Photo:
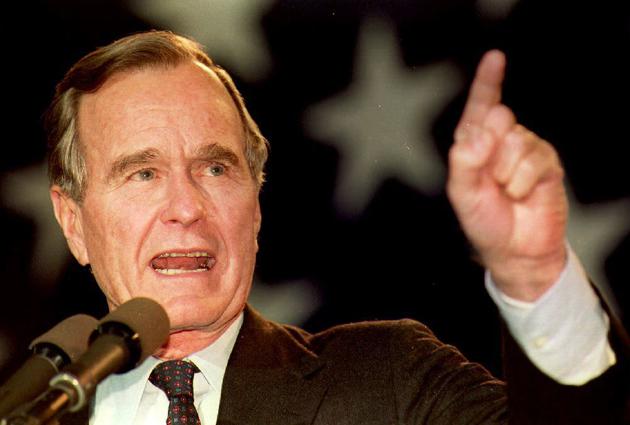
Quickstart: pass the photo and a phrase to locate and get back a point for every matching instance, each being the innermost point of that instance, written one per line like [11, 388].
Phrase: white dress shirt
[131, 399]
[564, 333]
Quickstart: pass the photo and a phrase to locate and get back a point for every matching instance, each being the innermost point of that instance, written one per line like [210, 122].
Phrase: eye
[143, 175]
[216, 169]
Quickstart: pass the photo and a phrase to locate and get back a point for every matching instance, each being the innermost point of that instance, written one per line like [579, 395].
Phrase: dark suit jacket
[396, 372]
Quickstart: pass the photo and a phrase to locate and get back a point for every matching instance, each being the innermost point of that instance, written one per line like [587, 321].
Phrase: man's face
[171, 210]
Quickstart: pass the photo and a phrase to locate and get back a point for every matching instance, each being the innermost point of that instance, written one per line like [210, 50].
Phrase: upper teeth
[181, 254]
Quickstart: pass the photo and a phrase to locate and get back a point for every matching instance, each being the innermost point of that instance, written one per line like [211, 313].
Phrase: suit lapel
[271, 377]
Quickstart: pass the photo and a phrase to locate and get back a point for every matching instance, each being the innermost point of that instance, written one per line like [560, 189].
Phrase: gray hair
[66, 163]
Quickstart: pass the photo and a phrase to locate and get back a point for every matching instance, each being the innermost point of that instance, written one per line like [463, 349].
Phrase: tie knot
[174, 377]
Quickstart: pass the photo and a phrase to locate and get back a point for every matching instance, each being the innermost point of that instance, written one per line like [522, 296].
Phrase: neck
[182, 343]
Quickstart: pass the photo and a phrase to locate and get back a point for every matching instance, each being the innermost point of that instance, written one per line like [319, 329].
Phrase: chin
[192, 316]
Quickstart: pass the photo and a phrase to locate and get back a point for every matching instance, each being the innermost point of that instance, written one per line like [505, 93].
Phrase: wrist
[527, 279]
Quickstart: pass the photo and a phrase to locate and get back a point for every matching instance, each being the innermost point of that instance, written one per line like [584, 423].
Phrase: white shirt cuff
[565, 332]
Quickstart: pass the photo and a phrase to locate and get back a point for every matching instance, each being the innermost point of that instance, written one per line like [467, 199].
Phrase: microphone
[51, 351]
[121, 341]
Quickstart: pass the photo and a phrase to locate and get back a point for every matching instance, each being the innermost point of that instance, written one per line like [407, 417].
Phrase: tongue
[180, 263]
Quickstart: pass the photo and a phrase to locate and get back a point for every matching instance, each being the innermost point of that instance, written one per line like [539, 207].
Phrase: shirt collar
[118, 397]
[213, 359]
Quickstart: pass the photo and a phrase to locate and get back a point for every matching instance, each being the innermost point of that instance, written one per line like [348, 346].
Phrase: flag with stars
[359, 101]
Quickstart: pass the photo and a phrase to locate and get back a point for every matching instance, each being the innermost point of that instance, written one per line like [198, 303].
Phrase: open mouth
[172, 263]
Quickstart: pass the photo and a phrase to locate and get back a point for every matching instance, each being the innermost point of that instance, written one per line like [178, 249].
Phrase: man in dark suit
[156, 166]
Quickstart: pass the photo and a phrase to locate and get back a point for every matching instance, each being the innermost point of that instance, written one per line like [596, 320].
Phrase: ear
[67, 213]
[257, 222]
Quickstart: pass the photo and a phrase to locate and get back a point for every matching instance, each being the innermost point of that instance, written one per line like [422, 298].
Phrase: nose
[184, 201]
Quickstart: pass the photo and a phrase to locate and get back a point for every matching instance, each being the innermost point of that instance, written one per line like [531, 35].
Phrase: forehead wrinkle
[126, 161]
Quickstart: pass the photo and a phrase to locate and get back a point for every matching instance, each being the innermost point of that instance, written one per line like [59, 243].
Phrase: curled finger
[536, 167]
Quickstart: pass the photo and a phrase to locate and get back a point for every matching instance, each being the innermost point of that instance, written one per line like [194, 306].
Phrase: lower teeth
[178, 271]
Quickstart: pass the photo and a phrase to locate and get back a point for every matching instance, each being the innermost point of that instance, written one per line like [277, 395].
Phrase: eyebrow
[214, 152]
[125, 162]
[210, 152]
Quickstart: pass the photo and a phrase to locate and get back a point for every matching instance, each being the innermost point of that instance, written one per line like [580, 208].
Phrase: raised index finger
[485, 91]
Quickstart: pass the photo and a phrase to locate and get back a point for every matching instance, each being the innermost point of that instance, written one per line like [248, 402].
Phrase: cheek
[233, 206]
[112, 245]
[243, 224]
[109, 233]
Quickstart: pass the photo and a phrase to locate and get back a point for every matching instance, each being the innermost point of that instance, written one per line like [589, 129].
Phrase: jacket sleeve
[534, 398]
[435, 384]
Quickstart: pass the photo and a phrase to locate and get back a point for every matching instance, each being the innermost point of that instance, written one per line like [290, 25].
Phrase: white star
[26, 191]
[290, 302]
[496, 9]
[231, 30]
[382, 123]
[594, 231]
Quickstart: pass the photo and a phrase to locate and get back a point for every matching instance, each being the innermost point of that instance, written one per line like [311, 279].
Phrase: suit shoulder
[374, 329]
[378, 337]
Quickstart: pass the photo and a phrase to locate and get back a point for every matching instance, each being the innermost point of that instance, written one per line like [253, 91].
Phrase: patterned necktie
[175, 378]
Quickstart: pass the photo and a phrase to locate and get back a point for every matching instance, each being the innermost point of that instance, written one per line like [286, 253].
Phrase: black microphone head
[146, 319]
[70, 336]
[55, 349]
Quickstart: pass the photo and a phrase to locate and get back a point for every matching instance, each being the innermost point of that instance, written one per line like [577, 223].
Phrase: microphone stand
[71, 389]
[115, 346]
